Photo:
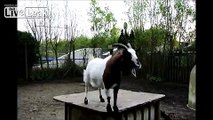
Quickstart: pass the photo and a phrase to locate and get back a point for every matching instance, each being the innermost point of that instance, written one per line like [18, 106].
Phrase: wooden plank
[126, 100]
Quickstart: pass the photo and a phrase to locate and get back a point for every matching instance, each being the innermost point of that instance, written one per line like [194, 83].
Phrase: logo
[12, 11]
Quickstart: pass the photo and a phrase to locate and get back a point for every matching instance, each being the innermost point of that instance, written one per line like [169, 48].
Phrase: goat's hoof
[85, 101]
[102, 100]
[109, 109]
[115, 108]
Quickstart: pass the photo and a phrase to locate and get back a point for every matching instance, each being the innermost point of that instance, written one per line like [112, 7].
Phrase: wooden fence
[172, 67]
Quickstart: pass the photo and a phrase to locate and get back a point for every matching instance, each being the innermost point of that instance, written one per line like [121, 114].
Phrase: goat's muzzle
[137, 66]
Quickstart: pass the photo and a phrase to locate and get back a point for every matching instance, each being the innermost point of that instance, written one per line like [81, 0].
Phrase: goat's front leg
[115, 93]
[109, 109]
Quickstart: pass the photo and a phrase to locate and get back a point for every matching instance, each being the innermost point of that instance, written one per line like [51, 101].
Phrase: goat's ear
[120, 52]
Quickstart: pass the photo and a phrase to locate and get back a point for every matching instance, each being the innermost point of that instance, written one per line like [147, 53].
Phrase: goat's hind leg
[100, 96]
[86, 92]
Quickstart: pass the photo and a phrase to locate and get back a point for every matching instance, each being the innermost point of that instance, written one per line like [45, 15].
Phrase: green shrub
[153, 78]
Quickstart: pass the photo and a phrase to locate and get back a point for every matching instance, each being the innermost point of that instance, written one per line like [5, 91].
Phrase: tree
[103, 25]
[42, 31]
[70, 24]
[108, 20]
[114, 35]
[55, 43]
[48, 19]
[124, 37]
[102, 20]
[34, 27]
[27, 53]
[95, 17]
[137, 13]
[54, 33]
[125, 31]
[175, 17]
[172, 15]
[143, 39]
[82, 42]
[184, 15]
[132, 38]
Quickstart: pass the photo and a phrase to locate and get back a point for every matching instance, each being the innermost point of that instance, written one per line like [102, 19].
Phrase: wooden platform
[131, 105]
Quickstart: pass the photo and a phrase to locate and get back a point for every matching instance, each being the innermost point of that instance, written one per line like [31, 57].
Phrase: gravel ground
[35, 100]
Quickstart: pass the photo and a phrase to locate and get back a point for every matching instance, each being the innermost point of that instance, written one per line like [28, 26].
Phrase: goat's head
[130, 59]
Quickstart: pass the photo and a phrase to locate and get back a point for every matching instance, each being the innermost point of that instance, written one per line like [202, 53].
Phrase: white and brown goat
[106, 73]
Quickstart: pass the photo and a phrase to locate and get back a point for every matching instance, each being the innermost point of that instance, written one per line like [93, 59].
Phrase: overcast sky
[80, 8]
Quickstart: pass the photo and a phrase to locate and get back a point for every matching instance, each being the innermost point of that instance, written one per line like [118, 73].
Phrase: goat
[106, 73]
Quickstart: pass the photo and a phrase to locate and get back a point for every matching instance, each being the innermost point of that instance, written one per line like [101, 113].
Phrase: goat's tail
[85, 76]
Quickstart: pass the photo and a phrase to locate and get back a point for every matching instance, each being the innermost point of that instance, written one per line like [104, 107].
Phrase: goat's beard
[134, 72]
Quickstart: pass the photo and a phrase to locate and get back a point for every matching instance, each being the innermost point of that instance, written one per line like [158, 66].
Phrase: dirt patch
[35, 100]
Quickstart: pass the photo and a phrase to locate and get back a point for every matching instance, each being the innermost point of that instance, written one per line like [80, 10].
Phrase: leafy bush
[153, 78]
[27, 49]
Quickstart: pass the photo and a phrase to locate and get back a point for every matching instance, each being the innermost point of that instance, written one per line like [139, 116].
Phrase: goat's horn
[120, 44]
[129, 45]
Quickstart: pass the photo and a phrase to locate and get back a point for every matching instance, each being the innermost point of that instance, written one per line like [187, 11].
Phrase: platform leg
[157, 110]
[67, 112]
